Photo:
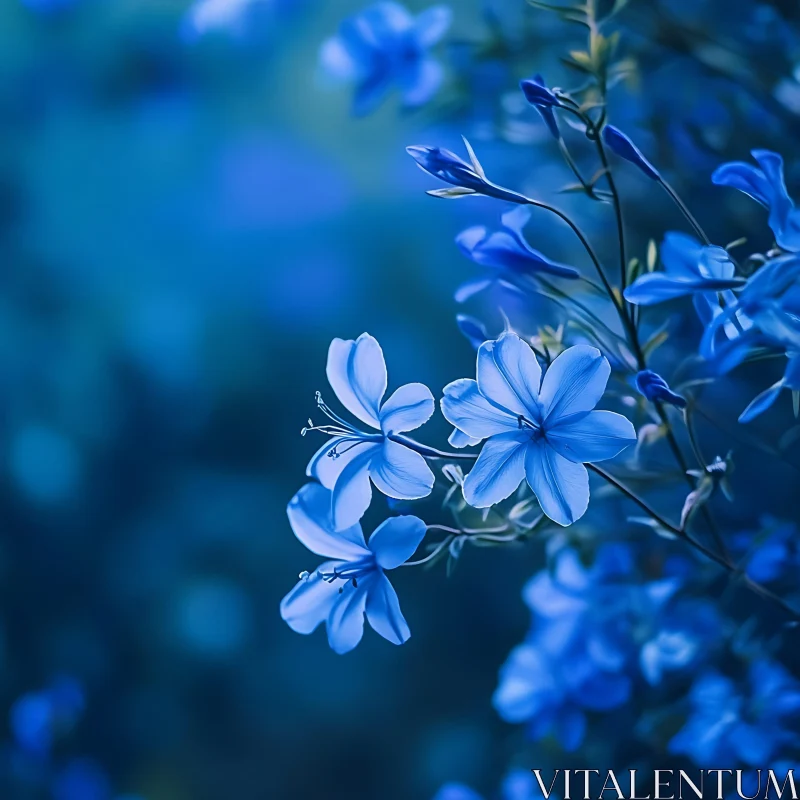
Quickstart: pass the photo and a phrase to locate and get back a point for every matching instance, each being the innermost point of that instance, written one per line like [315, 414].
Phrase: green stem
[685, 211]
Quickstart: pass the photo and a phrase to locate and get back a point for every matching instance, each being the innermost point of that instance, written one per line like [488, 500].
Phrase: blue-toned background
[186, 221]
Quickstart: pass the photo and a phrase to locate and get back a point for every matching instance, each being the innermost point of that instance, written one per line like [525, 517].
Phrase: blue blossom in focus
[543, 100]
[689, 268]
[347, 462]
[753, 723]
[621, 144]
[466, 179]
[652, 386]
[595, 631]
[385, 46]
[765, 184]
[342, 591]
[540, 429]
[507, 254]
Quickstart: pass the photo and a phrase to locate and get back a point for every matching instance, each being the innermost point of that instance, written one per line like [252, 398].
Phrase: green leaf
[736, 243]
[581, 60]
[634, 269]
[697, 499]
[796, 403]
[476, 165]
[654, 342]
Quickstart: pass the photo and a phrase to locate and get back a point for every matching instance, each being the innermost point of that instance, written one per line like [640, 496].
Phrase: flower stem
[427, 451]
[722, 561]
[685, 211]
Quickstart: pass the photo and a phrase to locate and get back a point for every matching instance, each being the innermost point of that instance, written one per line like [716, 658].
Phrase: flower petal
[465, 407]
[420, 81]
[574, 382]
[357, 374]
[509, 375]
[311, 600]
[352, 492]
[310, 516]
[460, 439]
[384, 614]
[560, 486]
[326, 468]
[409, 407]
[761, 402]
[400, 472]
[346, 619]
[657, 287]
[432, 24]
[595, 436]
[396, 540]
[499, 469]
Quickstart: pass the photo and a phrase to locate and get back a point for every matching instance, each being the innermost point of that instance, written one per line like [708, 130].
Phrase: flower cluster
[556, 395]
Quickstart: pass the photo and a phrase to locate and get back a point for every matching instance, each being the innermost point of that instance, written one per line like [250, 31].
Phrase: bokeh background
[186, 221]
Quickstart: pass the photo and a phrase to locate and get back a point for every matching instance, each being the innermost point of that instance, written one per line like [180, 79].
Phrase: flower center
[349, 573]
[537, 431]
[341, 430]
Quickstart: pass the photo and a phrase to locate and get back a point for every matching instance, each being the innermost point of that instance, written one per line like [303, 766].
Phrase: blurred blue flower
[340, 592]
[595, 630]
[517, 785]
[81, 779]
[621, 144]
[232, 16]
[466, 179]
[545, 433]
[346, 463]
[772, 553]
[473, 329]
[544, 100]
[752, 723]
[689, 268]
[656, 389]
[507, 253]
[765, 184]
[36, 718]
[385, 45]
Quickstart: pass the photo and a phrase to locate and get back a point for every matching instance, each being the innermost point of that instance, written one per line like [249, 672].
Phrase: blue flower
[466, 179]
[384, 45]
[506, 252]
[656, 389]
[473, 329]
[767, 398]
[595, 630]
[37, 717]
[205, 16]
[544, 100]
[689, 268]
[751, 723]
[620, 144]
[543, 432]
[81, 779]
[773, 553]
[765, 184]
[346, 463]
[342, 591]
[517, 785]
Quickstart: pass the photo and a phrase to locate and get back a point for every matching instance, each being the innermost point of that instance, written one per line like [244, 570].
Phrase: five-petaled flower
[507, 253]
[385, 45]
[465, 179]
[353, 584]
[544, 430]
[346, 463]
[690, 268]
[765, 184]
